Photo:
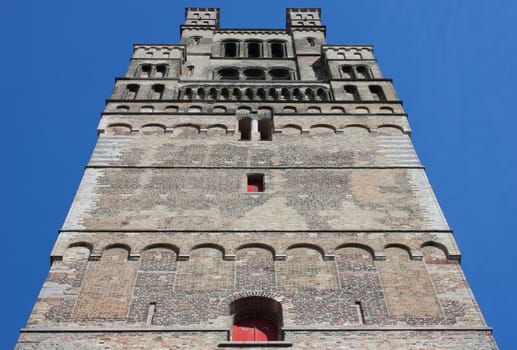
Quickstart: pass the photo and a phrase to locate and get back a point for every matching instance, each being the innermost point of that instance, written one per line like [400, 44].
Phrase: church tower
[254, 188]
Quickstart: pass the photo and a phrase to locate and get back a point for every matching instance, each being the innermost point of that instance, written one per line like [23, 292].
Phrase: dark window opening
[228, 74]
[230, 49]
[157, 92]
[311, 41]
[253, 49]
[277, 49]
[255, 183]
[347, 72]
[280, 74]
[264, 126]
[131, 92]
[351, 93]
[362, 72]
[245, 129]
[161, 71]
[377, 93]
[254, 74]
[146, 71]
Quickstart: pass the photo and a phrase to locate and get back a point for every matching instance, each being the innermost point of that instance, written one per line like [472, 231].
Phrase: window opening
[351, 93]
[161, 71]
[255, 183]
[254, 74]
[157, 92]
[253, 49]
[245, 129]
[264, 126]
[347, 72]
[362, 72]
[146, 71]
[277, 49]
[230, 49]
[280, 74]
[228, 74]
[131, 92]
[311, 41]
[377, 93]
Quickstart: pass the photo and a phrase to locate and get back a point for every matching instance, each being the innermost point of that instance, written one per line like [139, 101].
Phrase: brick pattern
[107, 287]
[305, 269]
[154, 282]
[205, 271]
[408, 289]
[360, 282]
[255, 269]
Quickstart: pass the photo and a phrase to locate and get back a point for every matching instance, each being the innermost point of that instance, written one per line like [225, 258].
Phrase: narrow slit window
[255, 183]
[131, 91]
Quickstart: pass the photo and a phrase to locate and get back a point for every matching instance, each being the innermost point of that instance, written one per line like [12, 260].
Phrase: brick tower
[255, 188]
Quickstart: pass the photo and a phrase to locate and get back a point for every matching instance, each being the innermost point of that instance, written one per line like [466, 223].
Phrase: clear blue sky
[453, 63]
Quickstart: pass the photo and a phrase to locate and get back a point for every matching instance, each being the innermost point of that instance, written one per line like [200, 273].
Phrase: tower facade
[255, 188]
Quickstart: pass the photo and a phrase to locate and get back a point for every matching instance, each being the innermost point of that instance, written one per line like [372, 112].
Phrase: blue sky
[452, 61]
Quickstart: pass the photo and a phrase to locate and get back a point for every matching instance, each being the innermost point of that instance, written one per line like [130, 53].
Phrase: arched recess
[255, 268]
[319, 129]
[118, 129]
[289, 109]
[256, 318]
[360, 281]
[387, 110]
[404, 281]
[361, 110]
[356, 130]
[434, 252]
[154, 285]
[185, 130]
[305, 269]
[217, 130]
[389, 130]
[291, 129]
[205, 270]
[150, 129]
[107, 282]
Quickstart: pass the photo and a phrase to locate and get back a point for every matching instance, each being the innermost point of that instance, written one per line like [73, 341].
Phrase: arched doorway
[256, 318]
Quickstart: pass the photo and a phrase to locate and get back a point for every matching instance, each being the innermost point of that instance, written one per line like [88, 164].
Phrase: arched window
[256, 319]
[351, 93]
[280, 74]
[131, 91]
[230, 49]
[254, 48]
[161, 71]
[228, 74]
[377, 93]
[146, 71]
[157, 91]
[362, 72]
[311, 41]
[277, 49]
[347, 72]
[254, 74]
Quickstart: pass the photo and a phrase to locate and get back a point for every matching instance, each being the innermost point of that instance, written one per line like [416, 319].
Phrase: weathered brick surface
[349, 340]
[164, 248]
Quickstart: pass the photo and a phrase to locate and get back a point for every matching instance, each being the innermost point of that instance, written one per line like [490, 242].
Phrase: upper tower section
[202, 16]
[303, 17]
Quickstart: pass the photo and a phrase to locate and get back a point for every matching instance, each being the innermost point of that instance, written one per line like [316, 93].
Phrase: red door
[254, 329]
